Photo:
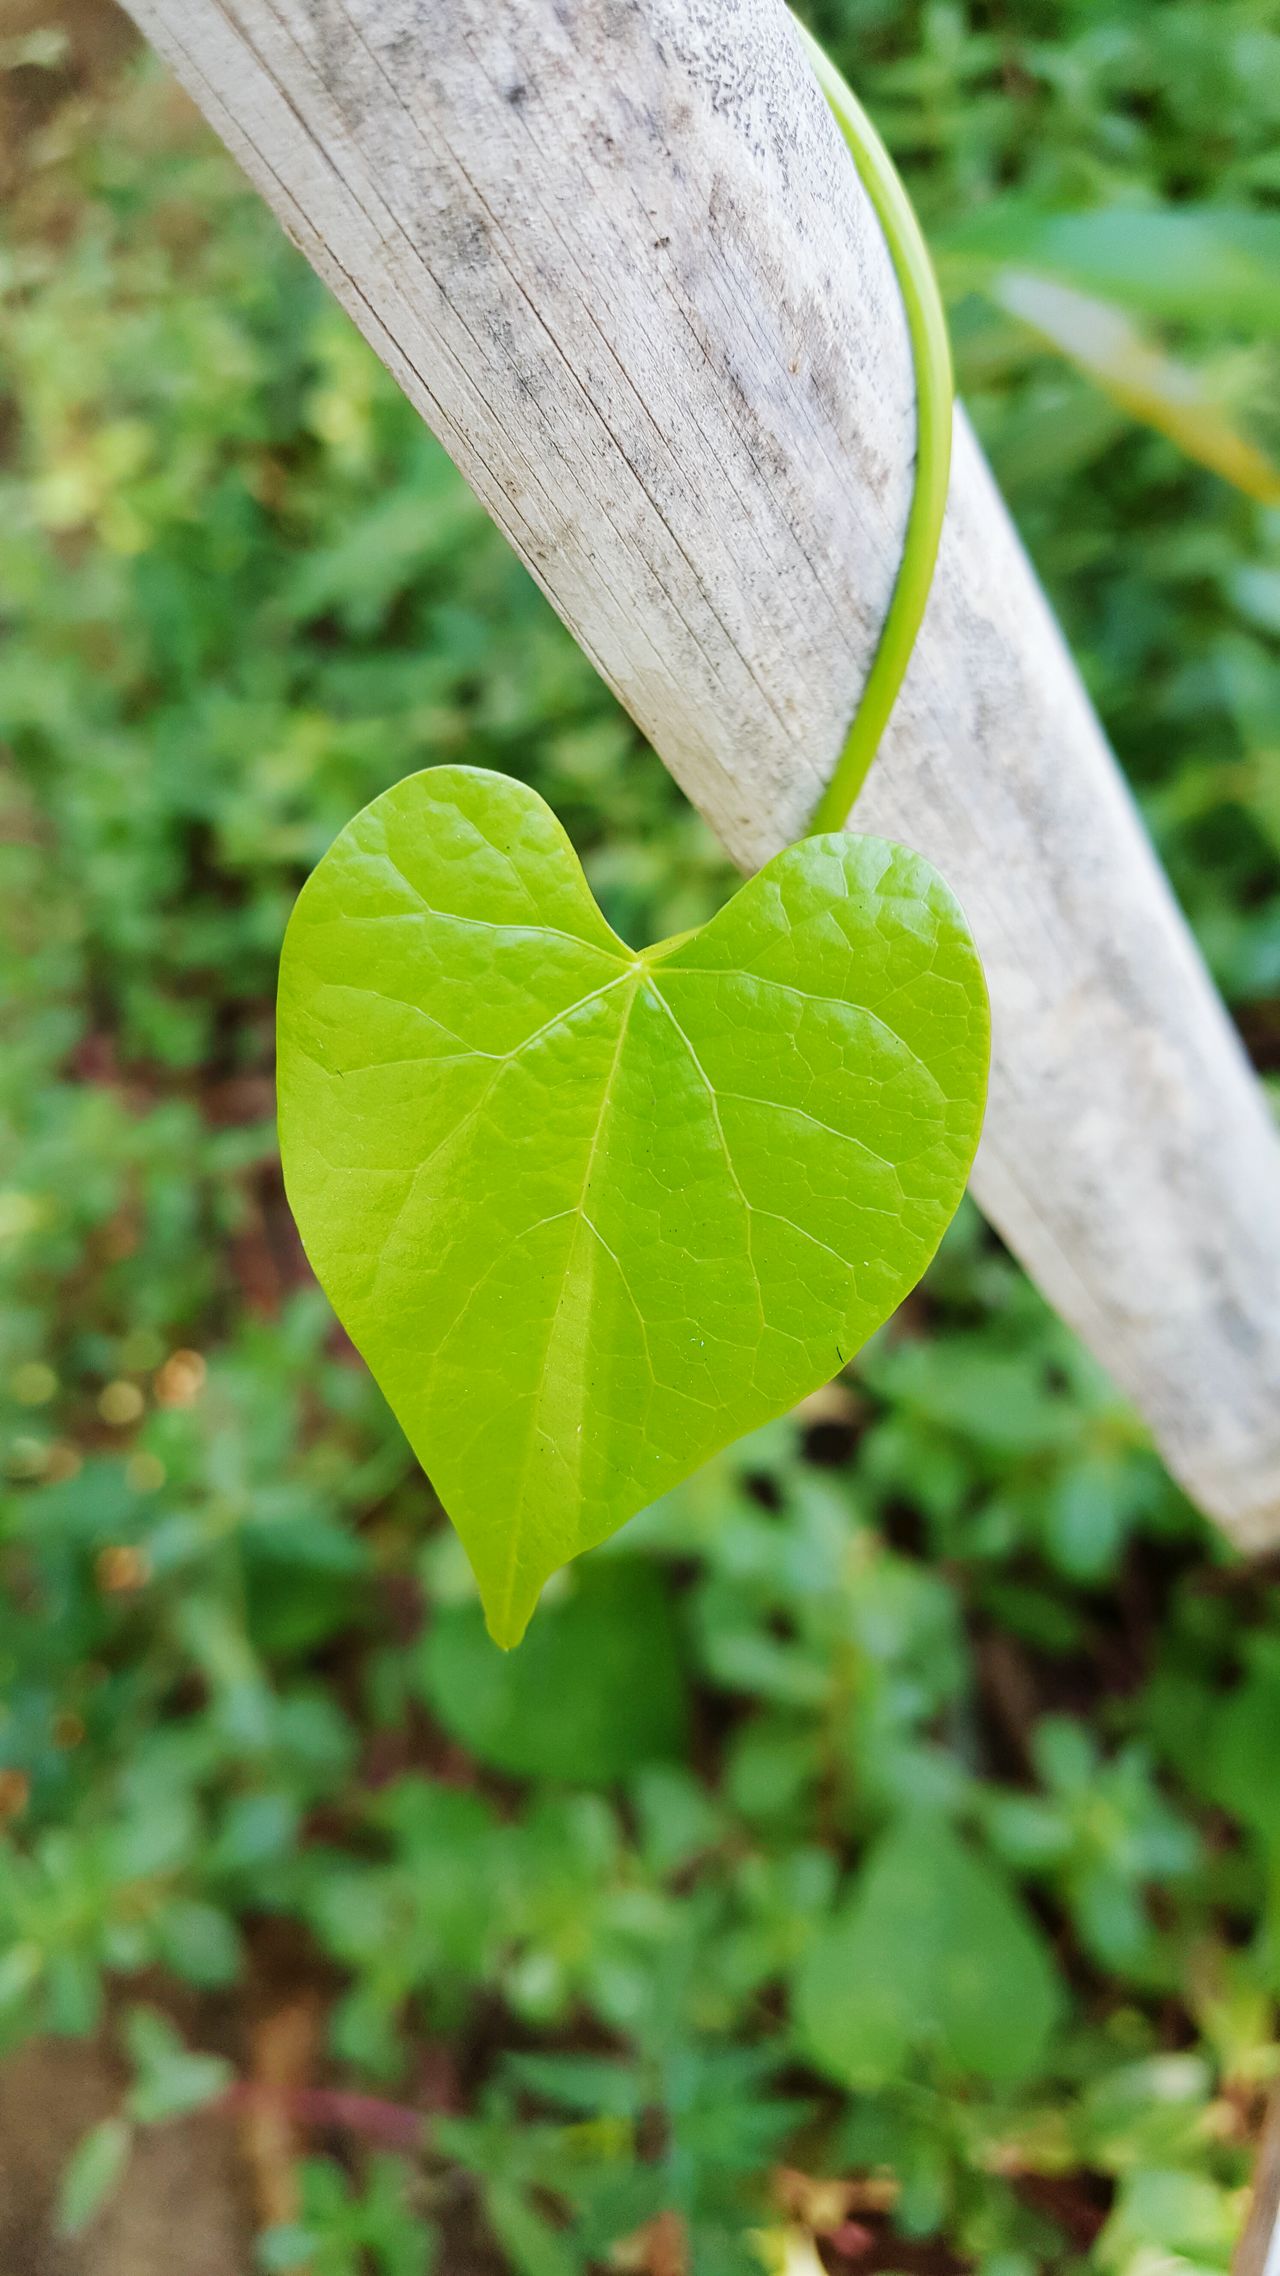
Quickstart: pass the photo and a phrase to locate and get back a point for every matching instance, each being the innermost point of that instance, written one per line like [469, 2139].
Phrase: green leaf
[170, 2082]
[1170, 2220]
[1242, 1762]
[1151, 386]
[199, 1943]
[286, 2247]
[596, 1692]
[931, 1955]
[1206, 264]
[91, 2173]
[590, 1213]
[531, 2244]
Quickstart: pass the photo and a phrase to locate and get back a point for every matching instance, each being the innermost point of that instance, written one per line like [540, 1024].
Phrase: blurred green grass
[644, 1948]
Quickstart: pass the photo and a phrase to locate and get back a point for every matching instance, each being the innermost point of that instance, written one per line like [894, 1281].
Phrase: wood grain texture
[615, 253]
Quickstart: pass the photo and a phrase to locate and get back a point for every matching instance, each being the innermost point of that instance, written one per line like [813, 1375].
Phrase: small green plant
[169, 2081]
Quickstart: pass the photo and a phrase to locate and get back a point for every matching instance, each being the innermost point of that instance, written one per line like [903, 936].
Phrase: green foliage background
[895, 1808]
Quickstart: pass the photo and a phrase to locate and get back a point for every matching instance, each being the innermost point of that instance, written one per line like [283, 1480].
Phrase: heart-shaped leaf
[589, 1213]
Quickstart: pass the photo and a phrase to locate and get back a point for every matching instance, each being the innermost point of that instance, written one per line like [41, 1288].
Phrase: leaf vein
[807, 996]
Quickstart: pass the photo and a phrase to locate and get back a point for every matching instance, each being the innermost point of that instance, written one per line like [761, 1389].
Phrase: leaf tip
[506, 1615]
[505, 1634]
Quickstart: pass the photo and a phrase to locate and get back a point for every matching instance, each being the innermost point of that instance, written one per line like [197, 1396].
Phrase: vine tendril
[931, 359]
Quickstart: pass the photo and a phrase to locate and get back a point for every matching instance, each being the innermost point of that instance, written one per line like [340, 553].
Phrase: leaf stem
[931, 357]
[392, 2124]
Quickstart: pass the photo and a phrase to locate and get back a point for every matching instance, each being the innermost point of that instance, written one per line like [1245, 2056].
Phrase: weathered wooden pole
[618, 257]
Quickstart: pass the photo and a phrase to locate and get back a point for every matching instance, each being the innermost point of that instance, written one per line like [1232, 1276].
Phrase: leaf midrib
[578, 1210]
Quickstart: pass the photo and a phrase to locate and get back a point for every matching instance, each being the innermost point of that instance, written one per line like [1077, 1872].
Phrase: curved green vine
[931, 358]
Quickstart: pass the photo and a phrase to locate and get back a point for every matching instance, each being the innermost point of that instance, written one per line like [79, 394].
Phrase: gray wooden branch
[616, 254]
